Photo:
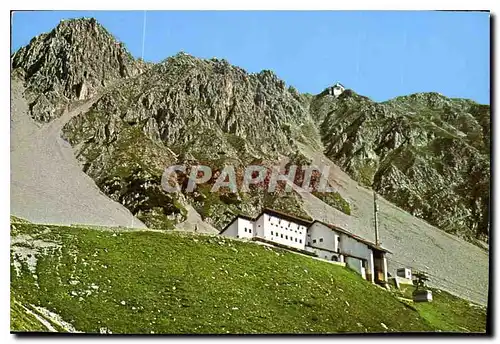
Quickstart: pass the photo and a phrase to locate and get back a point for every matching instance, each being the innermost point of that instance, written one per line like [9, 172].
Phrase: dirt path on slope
[194, 222]
[47, 183]
[454, 265]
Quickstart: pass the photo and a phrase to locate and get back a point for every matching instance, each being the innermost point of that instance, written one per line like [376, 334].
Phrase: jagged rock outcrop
[70, 63]
[189, 110]
[426, 153]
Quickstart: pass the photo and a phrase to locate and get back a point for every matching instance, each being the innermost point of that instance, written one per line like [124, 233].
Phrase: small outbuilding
[422, 296]
[404, 272]
[338, 89]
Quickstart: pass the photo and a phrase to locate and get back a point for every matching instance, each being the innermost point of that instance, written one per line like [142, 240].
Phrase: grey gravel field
[47, 183]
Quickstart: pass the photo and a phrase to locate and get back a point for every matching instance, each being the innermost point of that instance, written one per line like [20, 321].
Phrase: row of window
[286, 228]
[279, 221]
[286, 237]
[249, 230]
[321, 239]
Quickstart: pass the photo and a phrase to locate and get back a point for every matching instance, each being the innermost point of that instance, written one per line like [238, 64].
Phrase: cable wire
[143, 34]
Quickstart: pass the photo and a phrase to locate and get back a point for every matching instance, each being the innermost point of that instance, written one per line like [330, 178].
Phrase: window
[245, 230]
[314, 241]
[271, 232]
[249, 230]
[295, 239]
[320, 239]
[282, 235]
[286, 237]
[300, 241]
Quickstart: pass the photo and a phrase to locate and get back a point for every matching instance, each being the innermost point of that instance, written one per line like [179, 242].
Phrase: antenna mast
[375, 213]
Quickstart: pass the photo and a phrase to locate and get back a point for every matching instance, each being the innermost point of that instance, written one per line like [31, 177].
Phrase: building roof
[272, 212]
[300, 220]
[354, 236]
[305, 222]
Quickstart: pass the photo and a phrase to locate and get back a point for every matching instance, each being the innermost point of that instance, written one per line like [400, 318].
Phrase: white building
[325, 241]
[241, 227]
[270, 225]
[404, 272]
[334, 243]
[338, 89]
[403, 276]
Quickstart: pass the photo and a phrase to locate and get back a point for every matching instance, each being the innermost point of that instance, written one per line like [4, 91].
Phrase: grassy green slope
[144, 282]
[21, 321]
[447, 312]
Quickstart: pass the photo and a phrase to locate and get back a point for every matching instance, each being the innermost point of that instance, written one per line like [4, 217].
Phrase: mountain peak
[75, 22]
[71, 62]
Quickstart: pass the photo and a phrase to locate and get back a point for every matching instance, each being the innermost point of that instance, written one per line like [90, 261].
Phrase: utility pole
[375, 214]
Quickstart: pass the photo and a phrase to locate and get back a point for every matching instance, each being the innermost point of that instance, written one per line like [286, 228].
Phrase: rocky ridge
[70, 63]
[426, 153]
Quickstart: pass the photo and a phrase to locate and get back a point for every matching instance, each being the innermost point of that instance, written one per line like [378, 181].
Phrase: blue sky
[380, 54]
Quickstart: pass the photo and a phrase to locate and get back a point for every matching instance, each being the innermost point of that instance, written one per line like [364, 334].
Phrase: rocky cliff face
[425, 152]
[69, 63]
[190, 111]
